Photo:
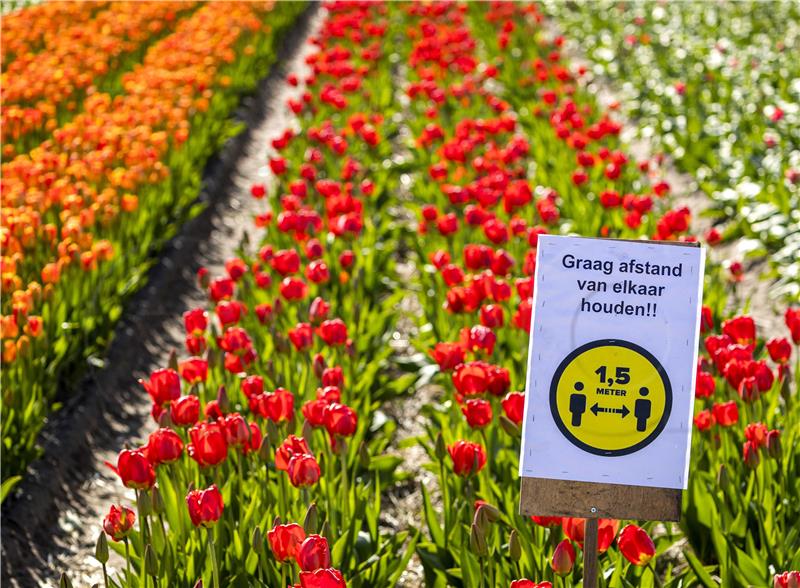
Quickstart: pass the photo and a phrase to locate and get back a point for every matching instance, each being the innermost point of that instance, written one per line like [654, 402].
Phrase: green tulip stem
[212, 548]
[446, 500]
[345, 490]
[656, 579]
[105, 576]
[127, 561]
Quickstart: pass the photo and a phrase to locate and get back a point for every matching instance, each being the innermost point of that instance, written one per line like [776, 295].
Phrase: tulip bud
[491, 512]
[514, 547]
[257, 540]
[364, 458]
[64, 581]
[173, 360]
[308, 429]
[199, 583]
[310, 522]
[144, 503]
[441, 448]
[509, 426]
[158, 502]
[222, 399]
[263, 450]
[774, 444]
[150, 561]
[272, 433]
[786, 391]
[326, 531]
[23, 346]
[101, 548]
[563, 558]
[723, 478]
[477, 541]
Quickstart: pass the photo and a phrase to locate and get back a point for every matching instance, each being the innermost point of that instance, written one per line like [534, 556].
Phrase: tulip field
[344, 405]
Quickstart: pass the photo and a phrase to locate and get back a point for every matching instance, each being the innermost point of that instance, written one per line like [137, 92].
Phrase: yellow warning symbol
[610, 397]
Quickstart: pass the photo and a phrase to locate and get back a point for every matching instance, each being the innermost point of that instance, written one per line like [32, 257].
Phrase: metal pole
[590, 554]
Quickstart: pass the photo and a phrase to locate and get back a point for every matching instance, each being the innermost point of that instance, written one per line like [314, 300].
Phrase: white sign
[612, 361]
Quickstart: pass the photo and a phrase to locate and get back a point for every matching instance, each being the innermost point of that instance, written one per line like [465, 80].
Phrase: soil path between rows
[51, 523]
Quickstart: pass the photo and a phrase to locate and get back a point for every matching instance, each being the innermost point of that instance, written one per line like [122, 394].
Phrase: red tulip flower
[468, 458]
[530, 584]
[780, 350]
[563, 558]
[237, 431]
[118, 522]
[547, 521]
[292, 446]
[333, 332]
[447, 355]
[252, 386]
[704, 420]
[302, 337]
[514, 406]
[575, 528]
[303, 470]
[787, 580]
[322, 578]
[164, 385]
[478, 412]
[205, 506]
[208, 446]
[185, 410]
[163, 446]
[285, 540]
[340, 420]
[742, 329]
[194, 370]
[314, 554]
[635, 544]
[792, 319]
[195, 321]
[726, 414]
[134, 469]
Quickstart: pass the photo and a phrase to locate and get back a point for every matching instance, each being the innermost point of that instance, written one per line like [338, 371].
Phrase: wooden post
[590, 554]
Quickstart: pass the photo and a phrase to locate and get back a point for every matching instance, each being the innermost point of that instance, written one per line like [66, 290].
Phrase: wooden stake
[590, 554]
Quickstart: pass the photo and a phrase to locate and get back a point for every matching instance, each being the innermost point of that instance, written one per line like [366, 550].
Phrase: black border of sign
[611, 452]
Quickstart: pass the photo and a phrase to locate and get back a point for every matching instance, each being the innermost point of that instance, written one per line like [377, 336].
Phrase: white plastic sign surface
[612, 361]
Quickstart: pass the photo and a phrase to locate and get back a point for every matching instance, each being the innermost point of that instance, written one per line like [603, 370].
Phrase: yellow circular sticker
[610, 397]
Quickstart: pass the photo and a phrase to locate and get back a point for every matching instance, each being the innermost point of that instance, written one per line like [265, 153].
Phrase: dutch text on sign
[612, 361]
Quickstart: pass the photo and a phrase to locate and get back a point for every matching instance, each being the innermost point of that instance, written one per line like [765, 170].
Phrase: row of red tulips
[269, 435]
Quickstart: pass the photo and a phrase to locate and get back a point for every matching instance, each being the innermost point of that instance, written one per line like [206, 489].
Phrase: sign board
[611, 373]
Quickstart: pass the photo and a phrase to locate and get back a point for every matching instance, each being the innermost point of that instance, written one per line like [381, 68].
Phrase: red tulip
[285, 540]
[118, 522]
[163, 446]
[547, 521]
[750, 455]
[286, 262]
[563, 558]
[195, 321]
[185, 410]
[252, 386]
[792, 319]
[134, 469]
[704, 420]
[277, 406]
[574, 528]
[333, 332]
[756, 433]
[726, 414]
[780, 350]
[237, 431]
[705, 385]
[635, 544]
[787, 580]
[742, 329]
[447, 355]
[293, 445]
[293, 288]
[303, 470]
[208, 446]
[471, 378]
[530, 584]
[322, 578]
[194, 370]
[164, 385]
[514, 406]
[467, 457]
[302, 337]
[478, 412]
[340, 420]
[205, 506]
[314, 554]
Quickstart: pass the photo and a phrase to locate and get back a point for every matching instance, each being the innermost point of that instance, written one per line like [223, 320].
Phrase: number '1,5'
[621, 375]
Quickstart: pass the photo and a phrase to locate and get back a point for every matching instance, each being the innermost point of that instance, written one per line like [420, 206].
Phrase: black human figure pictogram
[641, 410]
[577, 404]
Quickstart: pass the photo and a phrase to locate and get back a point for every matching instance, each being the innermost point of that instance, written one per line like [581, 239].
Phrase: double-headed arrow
[596, 408]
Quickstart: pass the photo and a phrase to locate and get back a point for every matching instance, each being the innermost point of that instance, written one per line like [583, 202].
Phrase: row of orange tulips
[43, 90]
[83, 212]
